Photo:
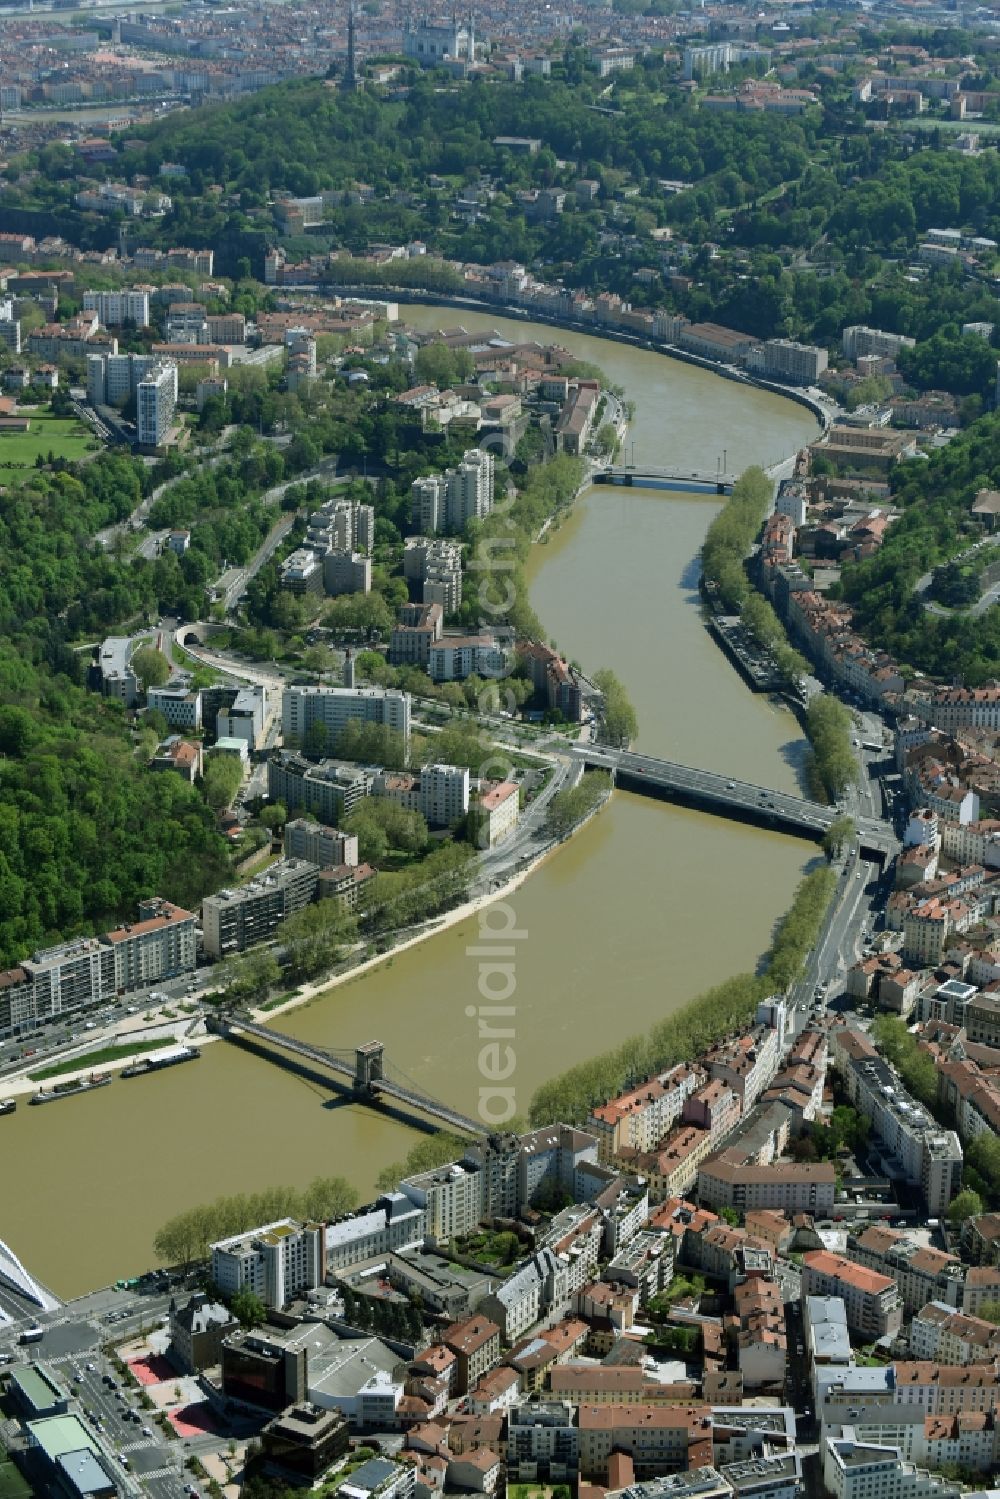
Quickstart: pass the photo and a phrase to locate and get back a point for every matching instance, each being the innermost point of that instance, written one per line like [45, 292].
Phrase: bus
[32, 1335]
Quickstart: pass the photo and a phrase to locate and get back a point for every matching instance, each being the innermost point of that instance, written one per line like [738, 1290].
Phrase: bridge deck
[730, 797]
[385, 1087]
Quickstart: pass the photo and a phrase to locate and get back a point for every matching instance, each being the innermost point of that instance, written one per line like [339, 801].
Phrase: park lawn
[64, 437]
[95, 1059]
[12, 1484]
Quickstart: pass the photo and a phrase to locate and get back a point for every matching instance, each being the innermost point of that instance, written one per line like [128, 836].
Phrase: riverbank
[576, 325]
[131, 1041]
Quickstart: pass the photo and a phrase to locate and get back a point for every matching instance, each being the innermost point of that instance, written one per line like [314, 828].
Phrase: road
[146, 1460]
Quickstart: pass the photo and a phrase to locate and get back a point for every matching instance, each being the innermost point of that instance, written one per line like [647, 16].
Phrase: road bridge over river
[664, 478]
[727, 797]
[366, 1073]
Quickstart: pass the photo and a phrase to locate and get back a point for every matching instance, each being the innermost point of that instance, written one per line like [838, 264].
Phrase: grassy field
[12, 1484]
[63, 436]
[94, 1059]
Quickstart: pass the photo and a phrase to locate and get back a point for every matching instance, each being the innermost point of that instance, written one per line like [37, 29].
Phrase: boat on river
[170, 1056]
[70, 1090]
[8, 1105]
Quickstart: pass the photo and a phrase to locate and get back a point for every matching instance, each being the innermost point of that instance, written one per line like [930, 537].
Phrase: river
[648, 905]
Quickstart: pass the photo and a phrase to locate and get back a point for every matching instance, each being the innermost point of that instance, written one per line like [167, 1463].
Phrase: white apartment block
[451, 1198]
[180, 706]
[450, 500]
[114, 308]
[244, 718]
[392, 1224]
[342, 526]
[112, 378]
[856, 1470]
[89, 970]
[335, 707]
[428, 503]
[929, 1156]
[444, 794]
[233, 920]
[156, 400]
[276, 1261]
[783, 359]
[455, 657]
[718, 57]
[857, 341]
[322, 846]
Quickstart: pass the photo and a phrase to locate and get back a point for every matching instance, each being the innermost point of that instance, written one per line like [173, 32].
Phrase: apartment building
[320, 845]
[115, 308]
[727, 1180]
[476, 1346]
[160, 945]
[303, 709]
[179, 704]
[982, 1285]
[346, 572]
[451, 1198]
[950, 709]
[243, 718]
[276, 1262]
[922, 1274]
[342, 526]
[113, 378]
[236, 919]
[328, 789]
[417, 628]
[455, 657]
[539, 1285]
[717, 343]
[858, 341]
[443, 795]
[90, 970]
[857, 1470]
[498, 804]
[658, 1438]
[873, 1303]
[783, 359]
[929, 1156]
[941, 1333]
[641, 1117]
[391, 1224]
[156, 399]
[542, 1443]
[436, 566]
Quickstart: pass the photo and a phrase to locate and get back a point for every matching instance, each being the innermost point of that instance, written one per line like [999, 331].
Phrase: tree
[837, 836]
[315, 937]
[274, 816]
[619, 725]
[223, 778]
[730, 1216]
[248, 977]
[248, 1307]
[966, 1205]
[150, 666]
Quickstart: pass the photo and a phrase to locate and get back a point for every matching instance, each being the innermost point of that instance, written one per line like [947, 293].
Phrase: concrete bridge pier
[368, 1065]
